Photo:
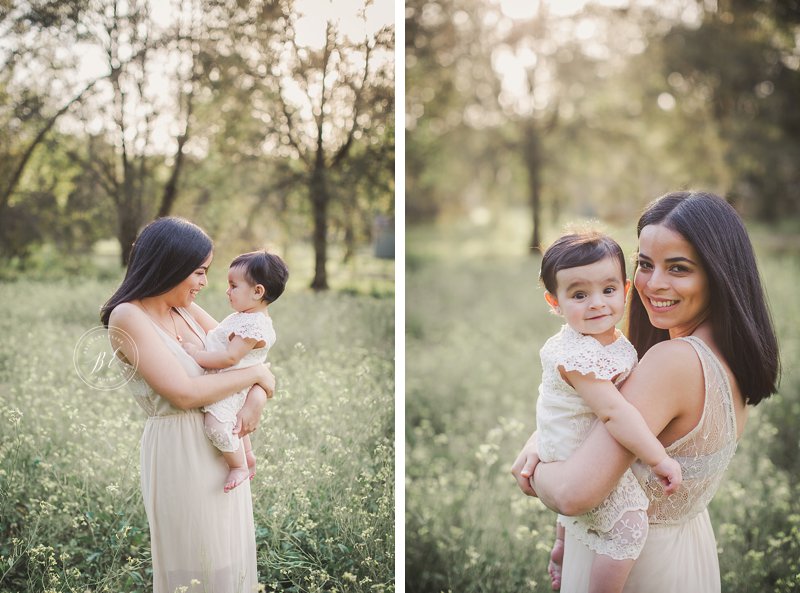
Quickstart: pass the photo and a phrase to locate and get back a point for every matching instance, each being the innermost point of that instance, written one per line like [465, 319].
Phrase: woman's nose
[657, 280]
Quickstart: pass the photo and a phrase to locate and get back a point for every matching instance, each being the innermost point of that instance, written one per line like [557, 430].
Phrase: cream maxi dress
[201, 537]
[680, 554]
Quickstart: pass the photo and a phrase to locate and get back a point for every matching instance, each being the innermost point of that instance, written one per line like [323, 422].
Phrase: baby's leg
[556, 558]
[609, 575]
[249, 455]
[239, 470]
[222, 437]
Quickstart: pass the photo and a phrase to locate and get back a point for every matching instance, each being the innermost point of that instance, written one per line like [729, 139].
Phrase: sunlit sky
[513, 63]
[526, 9]
[310, 32]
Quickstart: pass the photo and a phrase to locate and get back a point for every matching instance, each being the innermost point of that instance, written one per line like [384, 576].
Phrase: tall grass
[475, 320]
[71, 515]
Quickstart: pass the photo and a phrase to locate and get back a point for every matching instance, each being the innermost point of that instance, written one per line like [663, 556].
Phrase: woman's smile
[661, 304]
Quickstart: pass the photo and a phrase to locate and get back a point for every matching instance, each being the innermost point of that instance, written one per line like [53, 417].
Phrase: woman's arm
[626, 425]
[167, 377]
[665, 387]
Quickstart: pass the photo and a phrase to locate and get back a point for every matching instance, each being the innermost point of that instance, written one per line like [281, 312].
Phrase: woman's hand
[525, 465]
[248, 417]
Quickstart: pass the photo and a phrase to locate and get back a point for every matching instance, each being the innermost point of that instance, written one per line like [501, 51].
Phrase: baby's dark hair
[266, 269]
[575, 250]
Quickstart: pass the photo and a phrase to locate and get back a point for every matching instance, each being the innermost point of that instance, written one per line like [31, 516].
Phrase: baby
[585, 282]
[242, 339]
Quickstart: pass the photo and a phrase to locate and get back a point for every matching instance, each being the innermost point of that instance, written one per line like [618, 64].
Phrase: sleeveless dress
[618, 526]
[680, 554]
[201, 537]
[246, 325]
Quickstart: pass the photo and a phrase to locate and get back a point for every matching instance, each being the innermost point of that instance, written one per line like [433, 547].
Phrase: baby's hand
[192, 349]
[669, 472]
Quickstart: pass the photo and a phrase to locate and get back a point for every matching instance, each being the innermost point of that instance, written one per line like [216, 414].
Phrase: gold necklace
[174, 325]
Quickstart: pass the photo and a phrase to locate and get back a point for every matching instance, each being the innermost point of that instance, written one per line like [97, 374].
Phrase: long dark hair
[164, 254]
[740, 319]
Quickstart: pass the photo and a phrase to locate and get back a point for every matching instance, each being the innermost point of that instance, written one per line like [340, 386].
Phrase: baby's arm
[237, 348]
[627, 426]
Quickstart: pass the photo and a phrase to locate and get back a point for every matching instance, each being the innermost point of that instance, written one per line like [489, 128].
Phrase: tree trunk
[171, 188]
[533, 166]
[319, 201]
[349, 232]
[127, 230]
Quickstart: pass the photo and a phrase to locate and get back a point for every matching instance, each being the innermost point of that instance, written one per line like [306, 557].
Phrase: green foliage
[71, 515]
[475, 321]
[623, 103]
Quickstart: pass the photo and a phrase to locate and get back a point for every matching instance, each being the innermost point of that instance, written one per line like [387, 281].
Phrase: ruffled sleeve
[576, 352]
[256, 326]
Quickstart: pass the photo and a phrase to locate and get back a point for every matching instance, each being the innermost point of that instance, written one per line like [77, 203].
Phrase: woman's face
[184, 294]
[671, 281]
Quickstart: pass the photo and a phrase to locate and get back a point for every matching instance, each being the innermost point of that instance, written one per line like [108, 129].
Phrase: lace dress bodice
[704, 453]
[563, 418]
[617, 527]
[246, 325]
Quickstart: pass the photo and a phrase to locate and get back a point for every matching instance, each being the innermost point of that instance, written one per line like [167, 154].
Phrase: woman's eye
[679, 269]
[643, 265]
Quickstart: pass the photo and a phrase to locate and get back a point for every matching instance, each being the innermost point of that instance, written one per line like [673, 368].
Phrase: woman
[699, 321]
[201, 538]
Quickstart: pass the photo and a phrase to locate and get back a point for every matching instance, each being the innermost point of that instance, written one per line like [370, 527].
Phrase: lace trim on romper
[618, 526]
[246, 325]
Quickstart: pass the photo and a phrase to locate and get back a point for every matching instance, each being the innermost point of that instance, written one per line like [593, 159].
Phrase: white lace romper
[246, 325]
[618, 526]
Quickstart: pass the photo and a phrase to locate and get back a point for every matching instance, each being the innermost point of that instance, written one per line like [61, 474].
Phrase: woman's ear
[553, 302]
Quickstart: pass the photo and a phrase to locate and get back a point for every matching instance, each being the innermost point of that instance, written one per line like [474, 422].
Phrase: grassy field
[475, 320]
[71, 515]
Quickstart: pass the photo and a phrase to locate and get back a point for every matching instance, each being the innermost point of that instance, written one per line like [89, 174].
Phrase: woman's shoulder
[672, 358]
[125, 313]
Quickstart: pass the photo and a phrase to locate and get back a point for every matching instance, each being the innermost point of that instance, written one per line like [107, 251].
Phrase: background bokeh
[524, 118]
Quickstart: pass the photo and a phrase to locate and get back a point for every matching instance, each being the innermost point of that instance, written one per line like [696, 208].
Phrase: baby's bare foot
[251, 463]
[236, 476]
[554, 568]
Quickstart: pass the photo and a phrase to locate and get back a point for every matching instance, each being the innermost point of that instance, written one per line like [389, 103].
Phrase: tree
[319, 100]
[123, 158]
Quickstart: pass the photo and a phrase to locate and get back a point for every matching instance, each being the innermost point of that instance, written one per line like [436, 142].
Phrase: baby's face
[241, 293]
[592, 297]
